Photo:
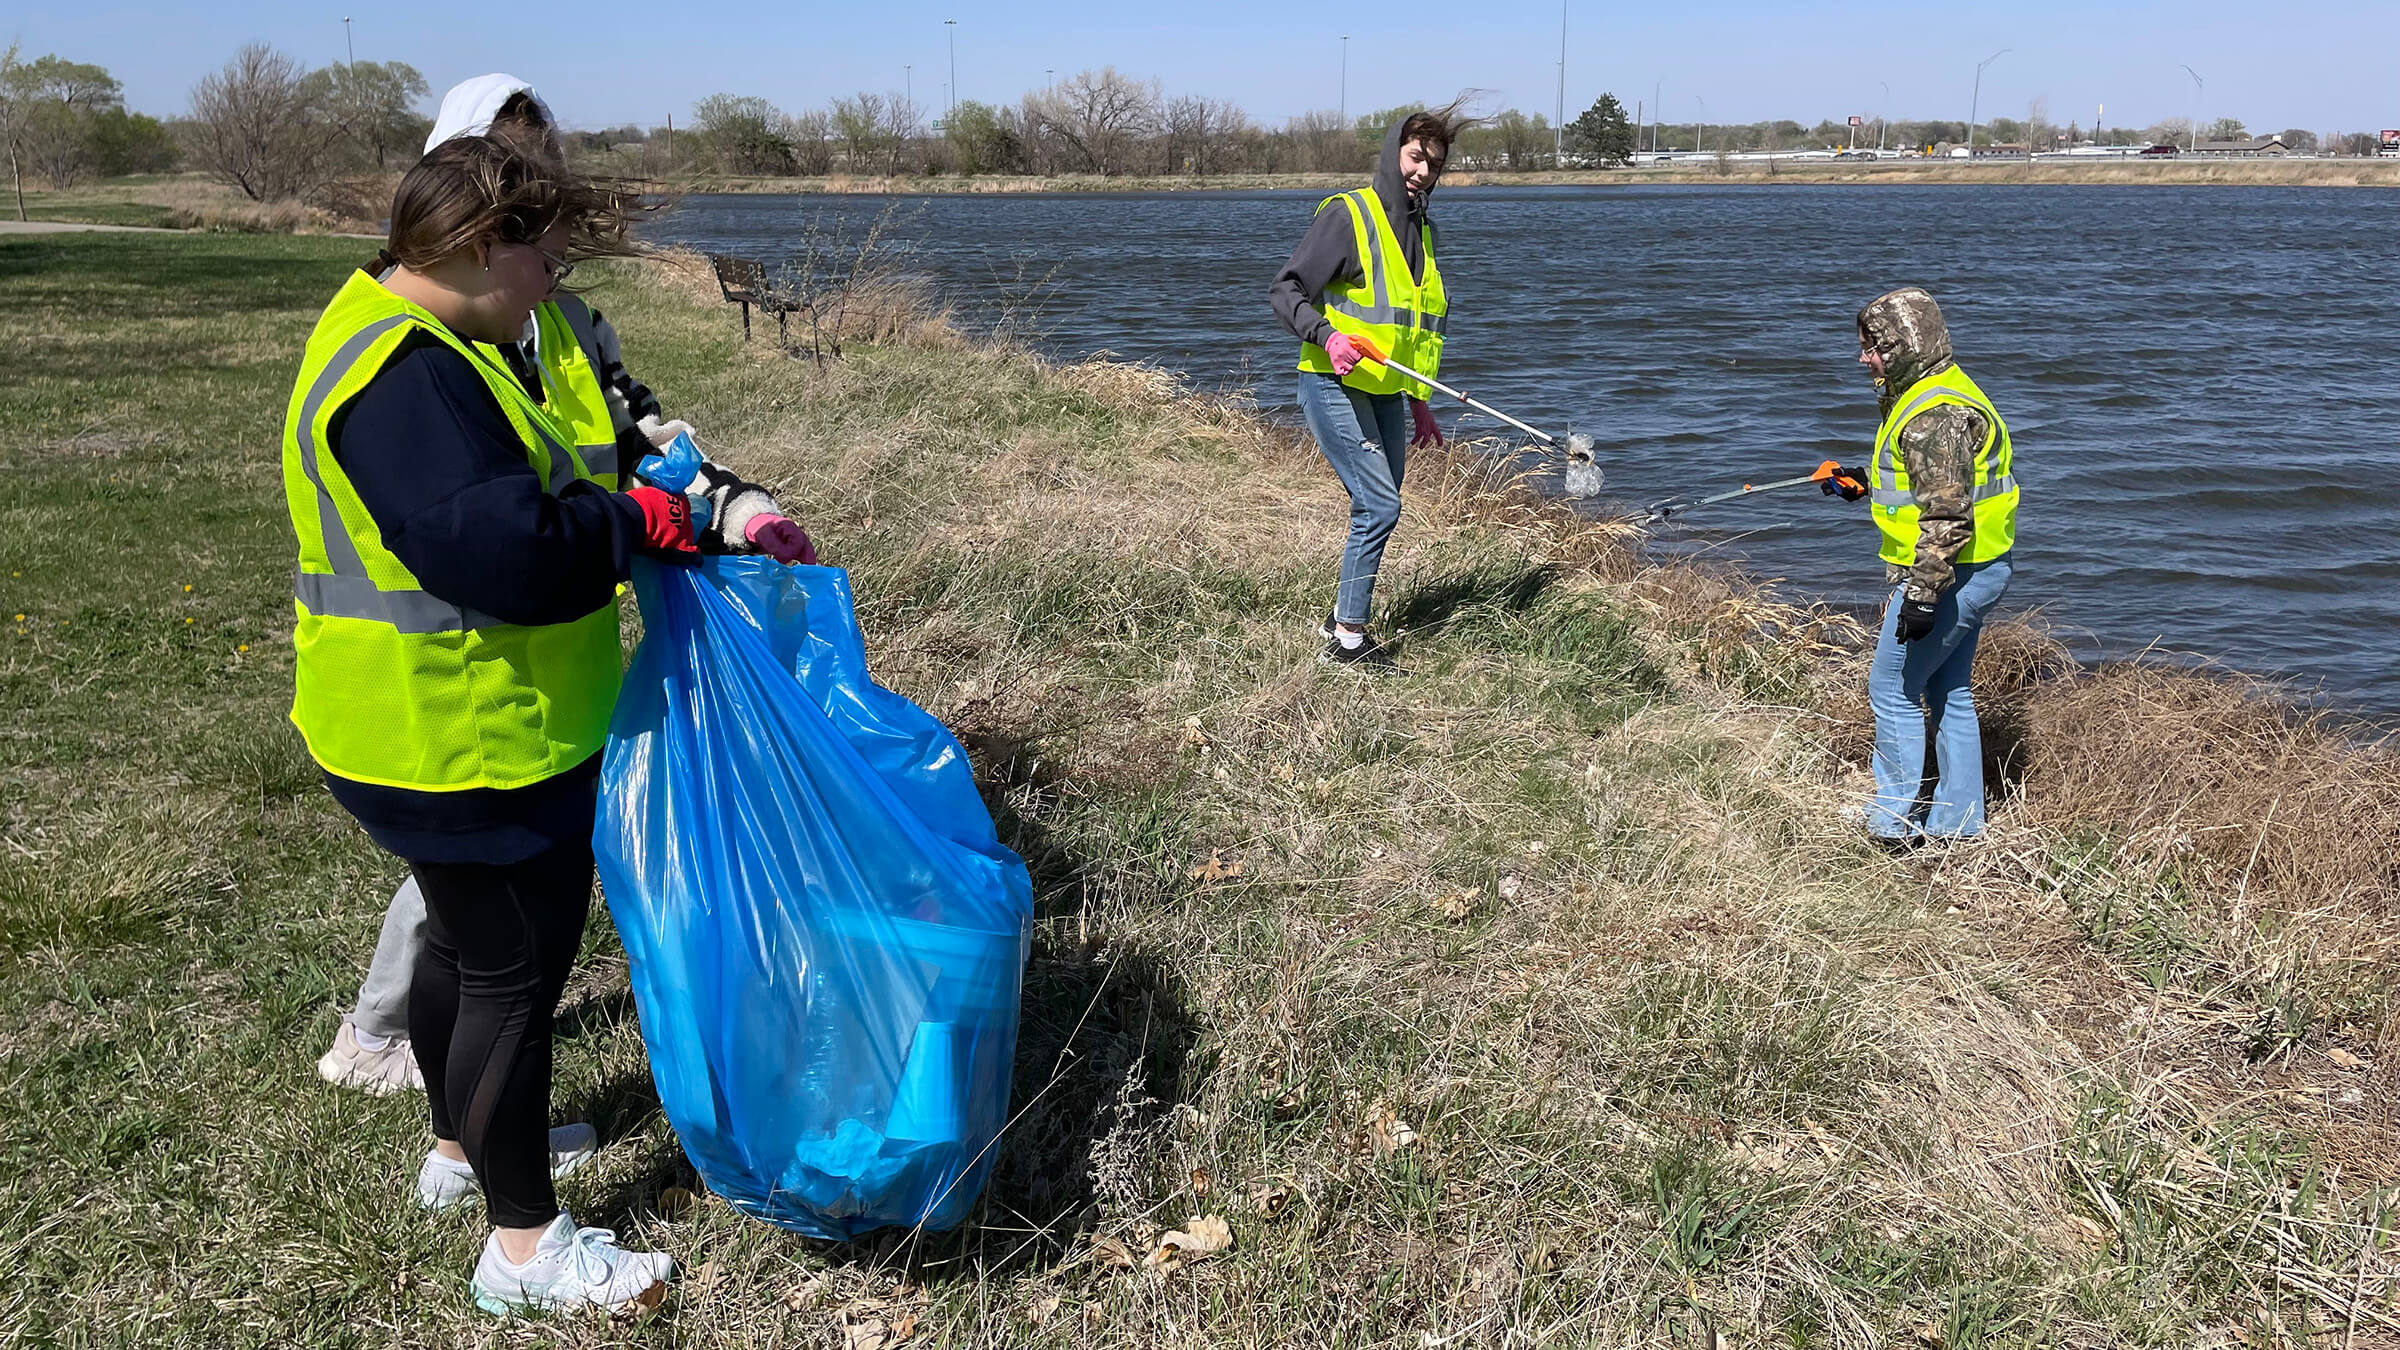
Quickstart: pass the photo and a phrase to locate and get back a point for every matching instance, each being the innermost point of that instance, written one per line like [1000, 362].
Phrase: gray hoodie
[1329, 251]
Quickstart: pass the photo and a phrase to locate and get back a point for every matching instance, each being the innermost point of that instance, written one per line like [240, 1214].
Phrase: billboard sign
[1857, 121]
[2391, 139]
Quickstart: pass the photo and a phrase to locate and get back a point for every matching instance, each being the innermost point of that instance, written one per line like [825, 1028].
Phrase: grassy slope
[1551, 999]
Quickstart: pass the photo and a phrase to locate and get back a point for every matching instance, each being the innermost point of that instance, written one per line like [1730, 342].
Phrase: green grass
[1552, 1002]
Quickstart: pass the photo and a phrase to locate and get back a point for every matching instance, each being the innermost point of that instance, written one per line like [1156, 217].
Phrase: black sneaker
[1368, 654]
[1325, 628]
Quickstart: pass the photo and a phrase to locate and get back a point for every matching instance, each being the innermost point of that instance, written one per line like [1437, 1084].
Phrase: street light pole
[1661, 110]
[349, 53]
[1975, 107]
[2199, 87]
[1345, 103]
[1700, 132]
[1883, 117]
[952, 25]
[1558, 133]
[908, 85]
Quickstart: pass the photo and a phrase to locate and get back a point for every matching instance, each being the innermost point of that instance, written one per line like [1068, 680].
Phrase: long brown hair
[472, 190]
[1438, 127]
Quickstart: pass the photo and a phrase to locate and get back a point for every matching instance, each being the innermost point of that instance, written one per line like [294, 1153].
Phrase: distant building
[2004, 150]
[2263, 147]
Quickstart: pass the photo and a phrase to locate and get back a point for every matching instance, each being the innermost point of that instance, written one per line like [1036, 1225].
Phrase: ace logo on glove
[666, 525]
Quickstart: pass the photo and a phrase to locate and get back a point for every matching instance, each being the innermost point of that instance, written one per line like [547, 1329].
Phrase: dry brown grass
[1553, 1001]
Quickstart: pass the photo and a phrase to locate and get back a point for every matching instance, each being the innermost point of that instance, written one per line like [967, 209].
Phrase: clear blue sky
[2329, 65]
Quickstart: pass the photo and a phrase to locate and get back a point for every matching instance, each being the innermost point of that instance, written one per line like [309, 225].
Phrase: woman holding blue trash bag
[458, 659]
[568, 359]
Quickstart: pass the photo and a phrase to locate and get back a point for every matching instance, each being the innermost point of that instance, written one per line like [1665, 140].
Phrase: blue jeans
[1920, 692]
[1365, 438]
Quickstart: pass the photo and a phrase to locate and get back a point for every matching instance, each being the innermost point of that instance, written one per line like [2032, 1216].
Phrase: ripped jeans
[1365, 438]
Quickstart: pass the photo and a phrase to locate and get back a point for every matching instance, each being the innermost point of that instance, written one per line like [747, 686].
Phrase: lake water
[2203, 383]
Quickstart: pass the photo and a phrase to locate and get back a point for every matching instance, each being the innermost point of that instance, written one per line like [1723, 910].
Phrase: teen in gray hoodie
[1364, 419]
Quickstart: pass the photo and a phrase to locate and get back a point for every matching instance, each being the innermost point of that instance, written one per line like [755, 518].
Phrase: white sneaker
[571, 1268]
[378, 1073]
[443, 1184]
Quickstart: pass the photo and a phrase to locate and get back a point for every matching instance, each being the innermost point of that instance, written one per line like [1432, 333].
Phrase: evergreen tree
[1603, 134]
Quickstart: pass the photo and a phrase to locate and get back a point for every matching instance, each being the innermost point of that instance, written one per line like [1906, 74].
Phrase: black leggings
[499, 943]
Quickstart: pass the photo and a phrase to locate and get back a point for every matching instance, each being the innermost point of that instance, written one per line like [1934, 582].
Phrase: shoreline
[2368, 173]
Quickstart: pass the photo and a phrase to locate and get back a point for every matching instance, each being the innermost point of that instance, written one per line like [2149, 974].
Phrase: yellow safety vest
[569, 349]
[394, 685]
[1994, 494]
[1402, 316]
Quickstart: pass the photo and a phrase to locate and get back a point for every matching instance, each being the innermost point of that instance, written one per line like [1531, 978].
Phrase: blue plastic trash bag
[827, 938]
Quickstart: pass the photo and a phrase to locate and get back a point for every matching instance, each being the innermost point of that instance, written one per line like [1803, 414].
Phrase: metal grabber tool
[1583, 476]
[1827, 472]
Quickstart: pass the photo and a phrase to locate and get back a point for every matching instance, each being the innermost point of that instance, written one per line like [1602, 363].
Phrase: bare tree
[374, 105]
[1099, 117]
[253, 127]
[811, 137]
[864, 126]
[17, 98]
[1196, 126]
[743, 134]
[1321, 142]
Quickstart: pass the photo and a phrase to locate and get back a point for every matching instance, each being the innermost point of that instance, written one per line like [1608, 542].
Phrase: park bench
[744, 282]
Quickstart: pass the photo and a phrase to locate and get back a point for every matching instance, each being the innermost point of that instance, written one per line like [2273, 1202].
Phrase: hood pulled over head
[470, 106]
[1390, 187]
[1906, 327]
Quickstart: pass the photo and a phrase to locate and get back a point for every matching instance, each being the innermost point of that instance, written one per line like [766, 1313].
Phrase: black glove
[1847, 483]
[1915, 621]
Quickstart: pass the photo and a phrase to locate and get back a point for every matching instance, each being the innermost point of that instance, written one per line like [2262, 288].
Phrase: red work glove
[780, 539]
[666, 525]
[1348, 351]
[1429, 432]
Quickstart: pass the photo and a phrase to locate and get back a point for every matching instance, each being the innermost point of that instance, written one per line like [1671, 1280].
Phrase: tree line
[263, 123]
[278, 131]
[1099, 122]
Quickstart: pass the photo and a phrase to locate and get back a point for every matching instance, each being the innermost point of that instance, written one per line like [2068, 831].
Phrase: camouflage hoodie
[1937, 447]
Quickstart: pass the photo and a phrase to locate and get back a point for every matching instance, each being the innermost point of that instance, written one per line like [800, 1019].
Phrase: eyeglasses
[555, 268]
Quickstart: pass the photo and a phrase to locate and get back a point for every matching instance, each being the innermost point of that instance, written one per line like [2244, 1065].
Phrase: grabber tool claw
[1584, 477]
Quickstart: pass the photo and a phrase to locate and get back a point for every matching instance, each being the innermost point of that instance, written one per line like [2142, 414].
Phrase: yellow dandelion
[187, 619]
[244, 647]
[20, 618]
[187, 590]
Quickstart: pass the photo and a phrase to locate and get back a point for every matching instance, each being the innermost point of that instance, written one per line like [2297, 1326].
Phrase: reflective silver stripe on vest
[1405, 318]
[1376, 280]
[1984, 492]
[579, 322]
[336, 597]
[597, 459]
[340, 551]
[1885, 470]
[349, 592]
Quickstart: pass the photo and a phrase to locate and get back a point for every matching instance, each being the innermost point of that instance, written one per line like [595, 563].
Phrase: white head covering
[470, 106]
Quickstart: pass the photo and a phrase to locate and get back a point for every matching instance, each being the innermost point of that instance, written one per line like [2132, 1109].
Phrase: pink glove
[1429, 432]
[1348, 351]
[780, 539]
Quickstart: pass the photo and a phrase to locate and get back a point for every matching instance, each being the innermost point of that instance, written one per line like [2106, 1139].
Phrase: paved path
[75, 227]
